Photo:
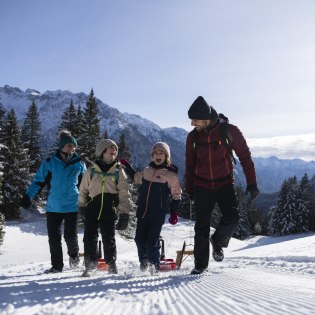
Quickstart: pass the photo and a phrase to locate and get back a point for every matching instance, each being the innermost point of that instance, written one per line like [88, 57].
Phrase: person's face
[158, 157]
[200, 124]
[68, 148]
[110, 154]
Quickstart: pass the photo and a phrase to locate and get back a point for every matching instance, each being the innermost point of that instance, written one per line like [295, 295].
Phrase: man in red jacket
[209, 178]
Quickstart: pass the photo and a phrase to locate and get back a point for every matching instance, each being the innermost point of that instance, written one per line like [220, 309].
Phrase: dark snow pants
[147, 237]
[106, 223]
[205, 201]
[54, 222]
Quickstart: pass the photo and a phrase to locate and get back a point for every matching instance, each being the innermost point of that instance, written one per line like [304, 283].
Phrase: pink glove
[173, 218]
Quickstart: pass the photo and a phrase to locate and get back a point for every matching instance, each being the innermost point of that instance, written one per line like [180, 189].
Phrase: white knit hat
[103, 144]
[163, 147]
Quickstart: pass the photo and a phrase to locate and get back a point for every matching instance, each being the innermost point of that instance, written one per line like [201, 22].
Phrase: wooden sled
[183, 254]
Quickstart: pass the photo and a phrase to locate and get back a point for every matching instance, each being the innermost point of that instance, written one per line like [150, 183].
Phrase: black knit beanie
[201, 110]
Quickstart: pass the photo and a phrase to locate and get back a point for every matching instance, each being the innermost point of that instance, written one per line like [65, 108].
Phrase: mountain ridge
[140, 134]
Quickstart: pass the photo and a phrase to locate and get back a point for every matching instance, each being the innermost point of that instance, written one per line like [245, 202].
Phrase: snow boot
[217, 251]
[154, 269]
[144, 266]
[53, 270]
[198, 271]
[74, 262]
[87, 273]
[112, 268]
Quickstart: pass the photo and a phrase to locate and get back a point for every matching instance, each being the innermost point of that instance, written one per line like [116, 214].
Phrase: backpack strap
[226, 139]
[115, 175]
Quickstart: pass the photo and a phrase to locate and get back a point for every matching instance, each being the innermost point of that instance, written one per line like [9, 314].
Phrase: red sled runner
[101, 264]
[166, 264]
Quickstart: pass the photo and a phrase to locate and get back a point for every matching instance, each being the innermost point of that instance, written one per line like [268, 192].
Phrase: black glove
[128, 168]
[253, 190]
[26, 202]
[122, 221]
[82, 211]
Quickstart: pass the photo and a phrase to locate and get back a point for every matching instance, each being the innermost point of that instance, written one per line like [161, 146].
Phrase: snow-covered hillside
[140, 134]
[262, 275]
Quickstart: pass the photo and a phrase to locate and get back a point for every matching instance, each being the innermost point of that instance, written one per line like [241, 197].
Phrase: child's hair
[163, 147]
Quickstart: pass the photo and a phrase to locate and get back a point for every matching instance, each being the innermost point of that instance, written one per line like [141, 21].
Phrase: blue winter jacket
[63, 181]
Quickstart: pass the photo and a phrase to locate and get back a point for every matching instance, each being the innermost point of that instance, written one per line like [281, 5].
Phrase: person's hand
[173, 219]
[26, 202]
[122, 221]
[253, 190]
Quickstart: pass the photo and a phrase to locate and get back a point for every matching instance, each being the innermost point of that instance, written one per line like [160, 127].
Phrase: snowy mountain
[140, 134]
[259, 276]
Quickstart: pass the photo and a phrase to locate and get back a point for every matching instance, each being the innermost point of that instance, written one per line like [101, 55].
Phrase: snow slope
[262, 275]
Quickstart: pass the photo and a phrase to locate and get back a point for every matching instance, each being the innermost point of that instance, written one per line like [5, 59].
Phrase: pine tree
[68, 119]
[285, 214]
[91, 132]
[244, 227]
[305, 199]
[2, 221]
[15, 169]
[105, 135]
[123, 150]
[79, 125]
[30, 137]
[1, 199]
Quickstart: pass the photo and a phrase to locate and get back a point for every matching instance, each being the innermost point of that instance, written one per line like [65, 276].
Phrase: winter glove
[128, 168]
[253, 190]
[26, 202]
[122, 221]
[173, 219]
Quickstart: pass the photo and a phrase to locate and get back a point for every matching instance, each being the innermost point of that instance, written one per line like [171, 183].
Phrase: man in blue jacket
[62, 173]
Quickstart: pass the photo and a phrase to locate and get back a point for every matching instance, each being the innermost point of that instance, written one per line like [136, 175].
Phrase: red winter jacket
[209, 164]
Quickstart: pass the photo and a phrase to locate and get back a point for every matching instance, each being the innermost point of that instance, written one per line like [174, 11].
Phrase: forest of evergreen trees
[21, 155]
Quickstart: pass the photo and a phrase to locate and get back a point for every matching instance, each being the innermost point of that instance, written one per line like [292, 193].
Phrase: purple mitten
[173, 218]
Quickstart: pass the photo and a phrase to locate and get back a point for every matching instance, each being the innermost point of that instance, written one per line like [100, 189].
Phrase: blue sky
[253, 60]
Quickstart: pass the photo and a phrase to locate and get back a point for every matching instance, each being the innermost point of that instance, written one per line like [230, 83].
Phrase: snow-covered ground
[262, 275]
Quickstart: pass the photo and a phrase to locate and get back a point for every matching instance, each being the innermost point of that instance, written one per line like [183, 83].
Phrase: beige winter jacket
[91, 186]
[162, 175]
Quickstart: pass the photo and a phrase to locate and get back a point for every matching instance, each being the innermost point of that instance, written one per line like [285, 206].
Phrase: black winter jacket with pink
[208, 162]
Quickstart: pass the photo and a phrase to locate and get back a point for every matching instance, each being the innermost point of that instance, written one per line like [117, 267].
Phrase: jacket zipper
[146, 203]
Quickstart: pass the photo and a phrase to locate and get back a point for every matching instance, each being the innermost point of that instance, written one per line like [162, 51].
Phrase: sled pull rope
[190, 221]
[171, 239]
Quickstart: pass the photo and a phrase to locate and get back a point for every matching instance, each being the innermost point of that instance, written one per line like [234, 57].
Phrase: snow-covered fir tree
[304, 207]
[79, 126]
[15, 168]
[91, 132]
[285, 215]
[105, 134]
[68, 119]
[123, 149]
[244, 227]
[30, 137]
[1, 214]
[1, 175]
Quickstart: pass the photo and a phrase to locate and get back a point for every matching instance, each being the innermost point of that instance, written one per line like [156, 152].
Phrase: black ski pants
[147, 237]
[205, 201]
[106, 223]
[54, 222]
